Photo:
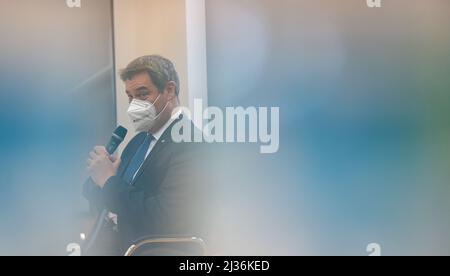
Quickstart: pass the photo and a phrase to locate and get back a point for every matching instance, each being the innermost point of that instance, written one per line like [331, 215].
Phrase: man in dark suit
[155, 188]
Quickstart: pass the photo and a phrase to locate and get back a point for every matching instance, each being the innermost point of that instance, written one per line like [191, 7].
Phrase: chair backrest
[171, 246]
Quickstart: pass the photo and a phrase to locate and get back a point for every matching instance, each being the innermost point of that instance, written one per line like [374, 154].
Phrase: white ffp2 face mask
[143, 114]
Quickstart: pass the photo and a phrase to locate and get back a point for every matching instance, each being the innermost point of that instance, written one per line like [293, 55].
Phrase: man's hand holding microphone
[102, 165]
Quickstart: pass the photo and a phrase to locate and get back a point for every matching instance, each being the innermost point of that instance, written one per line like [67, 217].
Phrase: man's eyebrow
[142, 88]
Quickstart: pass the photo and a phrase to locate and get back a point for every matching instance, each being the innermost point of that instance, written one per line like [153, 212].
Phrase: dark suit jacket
[166, 197]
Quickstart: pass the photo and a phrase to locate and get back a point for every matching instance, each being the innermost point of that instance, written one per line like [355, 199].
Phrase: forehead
[138, 81]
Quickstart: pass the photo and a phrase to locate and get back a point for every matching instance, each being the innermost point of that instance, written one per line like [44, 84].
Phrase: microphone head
[121, 132]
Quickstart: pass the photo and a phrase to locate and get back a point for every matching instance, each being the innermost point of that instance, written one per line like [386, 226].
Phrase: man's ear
[171, 90]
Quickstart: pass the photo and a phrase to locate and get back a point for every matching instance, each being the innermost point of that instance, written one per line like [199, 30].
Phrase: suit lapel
[162, 143]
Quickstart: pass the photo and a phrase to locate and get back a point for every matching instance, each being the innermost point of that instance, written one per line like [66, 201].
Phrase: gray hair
[160, 70]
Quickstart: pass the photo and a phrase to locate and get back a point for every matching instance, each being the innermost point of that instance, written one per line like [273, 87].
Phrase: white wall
[167, 28]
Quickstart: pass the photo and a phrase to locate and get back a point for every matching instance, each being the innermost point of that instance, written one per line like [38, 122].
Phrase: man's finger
[116, 163]
[101, 151]
[93, 155]
[113, 158]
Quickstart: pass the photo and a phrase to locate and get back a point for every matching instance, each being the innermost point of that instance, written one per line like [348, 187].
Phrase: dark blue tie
[138, 159]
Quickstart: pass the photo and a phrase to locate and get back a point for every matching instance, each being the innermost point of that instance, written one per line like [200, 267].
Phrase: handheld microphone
[116, 139]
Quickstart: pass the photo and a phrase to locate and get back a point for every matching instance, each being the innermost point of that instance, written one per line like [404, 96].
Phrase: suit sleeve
[92, 192]
[167, 207]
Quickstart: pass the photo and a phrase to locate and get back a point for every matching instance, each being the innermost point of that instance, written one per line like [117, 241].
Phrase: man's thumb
[116, 162]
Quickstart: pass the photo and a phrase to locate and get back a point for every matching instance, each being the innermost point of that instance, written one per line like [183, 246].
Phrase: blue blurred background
[364, 96]
[56, 86]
